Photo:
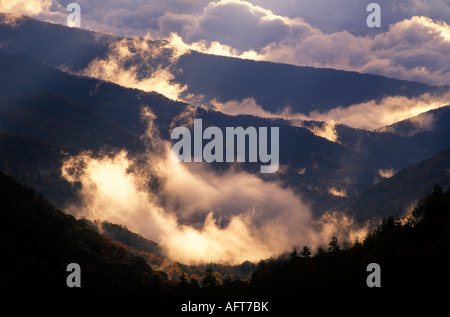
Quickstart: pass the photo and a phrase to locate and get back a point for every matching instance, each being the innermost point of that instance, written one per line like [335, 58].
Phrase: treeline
[413, 255]
[38, 242]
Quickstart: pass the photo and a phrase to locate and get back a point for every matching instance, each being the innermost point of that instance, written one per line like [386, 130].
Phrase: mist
[130, 62]
[372, 115]
[196, 214]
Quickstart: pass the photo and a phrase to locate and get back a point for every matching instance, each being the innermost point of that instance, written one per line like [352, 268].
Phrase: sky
[413, 42]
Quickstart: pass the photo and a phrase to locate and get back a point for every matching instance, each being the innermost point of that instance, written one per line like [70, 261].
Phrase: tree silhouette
[320, 251]
[194, 285]
[306, 252]
[227, 279]
[209, 279]
[294, 253]
[183, 281]
[333, 246]
[357, 243]
[437, 192]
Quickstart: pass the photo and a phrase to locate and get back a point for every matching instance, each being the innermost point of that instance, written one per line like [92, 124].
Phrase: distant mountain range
[50, 112]
[47, 114]
[274, 86]
[277, 86]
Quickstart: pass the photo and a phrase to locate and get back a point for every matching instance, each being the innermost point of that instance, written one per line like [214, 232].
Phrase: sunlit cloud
[337, 192]
[386, 173]
[192, 233]
[372, 115]
[249, 106]
[26, 7]
[413, 44]
[128, 63]
[375, 114]
[197, 214]
[415, 48]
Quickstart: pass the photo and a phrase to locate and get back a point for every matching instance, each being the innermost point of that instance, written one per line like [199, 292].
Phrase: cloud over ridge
[197, 214]
[413, 44]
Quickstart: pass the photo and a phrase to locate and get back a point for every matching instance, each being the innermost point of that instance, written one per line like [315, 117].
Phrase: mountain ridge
[39, 242]
[274, 85]
[396, 195]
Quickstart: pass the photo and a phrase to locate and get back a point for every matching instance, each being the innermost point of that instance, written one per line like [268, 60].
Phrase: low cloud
[196, 214]
[29, 7]
[421, 123]
[375, 114]
[337, 192]
[249, 106]
[130, 63]
[372, 115]
[413, 44]
[386, 173]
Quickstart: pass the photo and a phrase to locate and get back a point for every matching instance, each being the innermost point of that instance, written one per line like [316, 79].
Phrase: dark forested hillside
[37, 163]
[60, 121]
[394, 196]
[403, 143]
[275, 86]
[38, 242]
[413, 256]
[24, 76]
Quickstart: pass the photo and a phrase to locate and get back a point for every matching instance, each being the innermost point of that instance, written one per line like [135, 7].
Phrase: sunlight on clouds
[386, 173]
[410, 46]
[111, 192]
[117, 67]
[371, 115]
[180, 48]
[336, 192]
[197, 215]
[417, 48]
[327, 131]
[26, 7]
[377, 114]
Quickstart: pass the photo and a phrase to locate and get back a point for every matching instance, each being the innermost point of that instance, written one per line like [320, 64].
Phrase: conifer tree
[306, 252]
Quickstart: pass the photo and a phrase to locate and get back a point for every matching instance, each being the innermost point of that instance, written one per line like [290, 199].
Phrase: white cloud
[322, 33]
[238, 24]
[127, 58]
[386, 173]
[335, 16]
[198, 215]
[26, 7]
[417, 48]
[337, 192]
[372, 115]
